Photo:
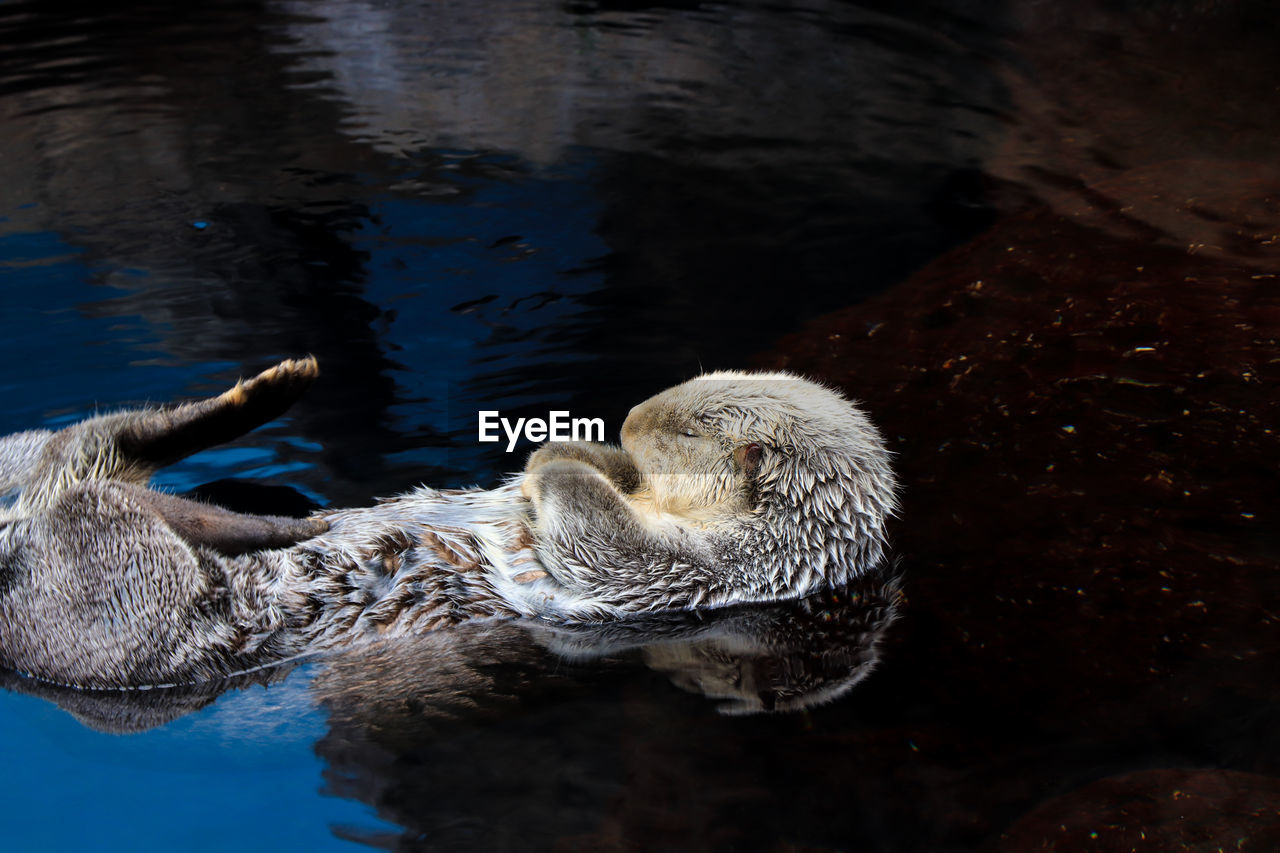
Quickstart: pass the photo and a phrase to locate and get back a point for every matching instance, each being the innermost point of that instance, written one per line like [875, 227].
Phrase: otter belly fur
[729, 488]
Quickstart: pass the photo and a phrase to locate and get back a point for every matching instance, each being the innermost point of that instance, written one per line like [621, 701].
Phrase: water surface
[1040, 245]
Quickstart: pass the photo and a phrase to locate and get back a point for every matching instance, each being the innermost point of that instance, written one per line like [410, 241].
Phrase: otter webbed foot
[129, 446]
[163, 437]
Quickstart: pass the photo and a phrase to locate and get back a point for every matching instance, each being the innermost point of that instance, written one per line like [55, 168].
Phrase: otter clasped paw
[552, 469]
[613, 462]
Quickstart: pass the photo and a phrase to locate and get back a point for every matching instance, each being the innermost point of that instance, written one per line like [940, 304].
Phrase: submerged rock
[1172, 809]
[1087, 439]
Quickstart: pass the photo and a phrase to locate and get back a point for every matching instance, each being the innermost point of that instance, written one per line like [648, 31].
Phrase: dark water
[1040, 244]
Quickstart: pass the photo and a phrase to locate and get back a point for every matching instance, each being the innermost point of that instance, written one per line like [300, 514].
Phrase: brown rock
[1087, 437]
[1156, 810]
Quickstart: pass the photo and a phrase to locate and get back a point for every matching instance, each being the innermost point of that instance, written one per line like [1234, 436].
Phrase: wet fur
[731, 487]
[107, 583]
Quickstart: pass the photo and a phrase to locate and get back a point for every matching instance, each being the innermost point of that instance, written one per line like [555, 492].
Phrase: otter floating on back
[730, 488]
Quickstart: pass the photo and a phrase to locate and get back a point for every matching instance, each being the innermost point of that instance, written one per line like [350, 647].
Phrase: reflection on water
[523, 206]
[452, 186]
[761, 658]
[511, 700]
[825, 90]
[546, 719]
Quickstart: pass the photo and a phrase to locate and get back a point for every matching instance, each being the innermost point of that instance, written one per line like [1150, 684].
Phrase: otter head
[798, 470]
[692, 462]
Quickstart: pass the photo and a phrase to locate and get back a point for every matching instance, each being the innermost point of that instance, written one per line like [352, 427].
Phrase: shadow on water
[1039, 243]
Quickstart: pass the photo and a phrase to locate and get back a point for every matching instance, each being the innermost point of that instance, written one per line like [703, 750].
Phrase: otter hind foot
[231, 533]
[163, 437]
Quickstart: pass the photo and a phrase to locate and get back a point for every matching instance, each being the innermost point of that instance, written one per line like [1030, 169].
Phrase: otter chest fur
[418, 562]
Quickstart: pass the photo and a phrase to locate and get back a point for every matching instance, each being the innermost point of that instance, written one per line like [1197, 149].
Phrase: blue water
[242, 774]
[198, 782]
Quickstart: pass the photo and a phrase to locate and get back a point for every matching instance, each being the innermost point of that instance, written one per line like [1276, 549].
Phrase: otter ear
[748, 458]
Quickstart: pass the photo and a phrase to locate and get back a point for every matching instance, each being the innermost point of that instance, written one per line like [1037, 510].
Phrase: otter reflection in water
[784, 656]
[730, 488]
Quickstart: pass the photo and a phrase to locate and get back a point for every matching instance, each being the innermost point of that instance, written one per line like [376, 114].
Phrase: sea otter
[730, 488]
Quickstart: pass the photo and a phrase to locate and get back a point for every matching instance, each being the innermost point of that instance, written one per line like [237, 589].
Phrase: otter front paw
[573, 498]
[552, 452]
[577, 451]
[541, 471]
[613, 462]
[557, 478]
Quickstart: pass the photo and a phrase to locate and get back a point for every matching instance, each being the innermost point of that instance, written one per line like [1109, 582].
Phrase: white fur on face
[685, 463]
[683, 441]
